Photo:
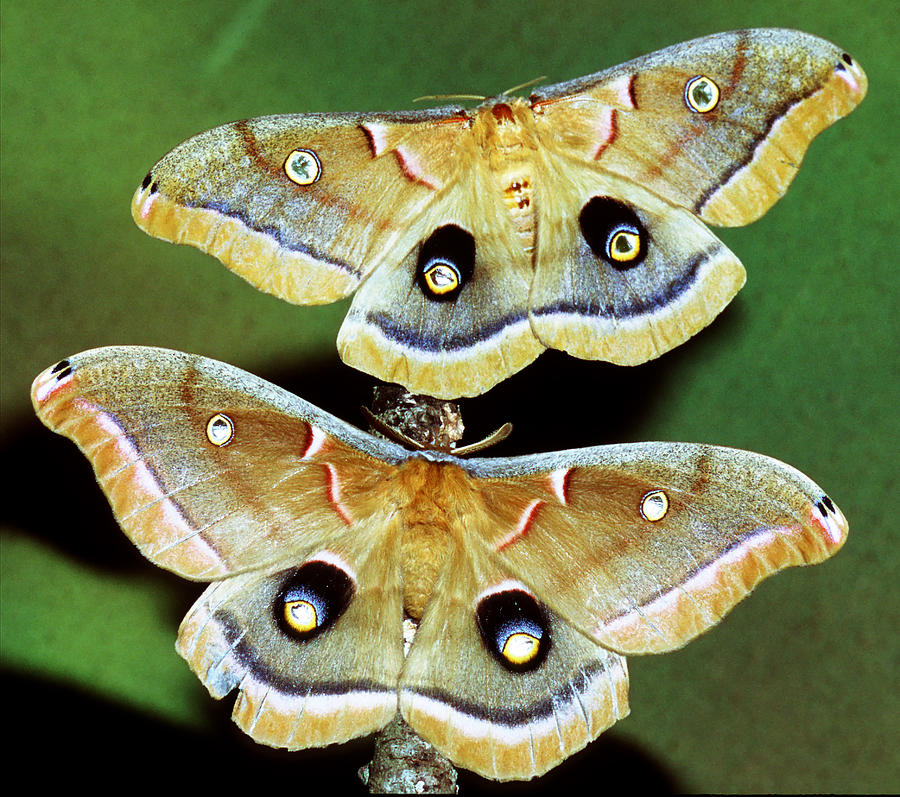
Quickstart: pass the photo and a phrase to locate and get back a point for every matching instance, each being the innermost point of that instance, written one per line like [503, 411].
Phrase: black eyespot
[312, 598]
[847, 59]
[828, 503]
[445, 264]
[614, 232]
[146, 181]
[514, 628]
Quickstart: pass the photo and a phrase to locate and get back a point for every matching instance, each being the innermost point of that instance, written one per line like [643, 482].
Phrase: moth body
[507, 142]
[434, 495]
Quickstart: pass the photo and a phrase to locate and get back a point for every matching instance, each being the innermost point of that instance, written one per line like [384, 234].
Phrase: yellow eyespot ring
[624, 246]
[220, 429]
[441, 278]
[701, 94]
[655, 506]
[521, 648]
[301, 616]
[303, 166]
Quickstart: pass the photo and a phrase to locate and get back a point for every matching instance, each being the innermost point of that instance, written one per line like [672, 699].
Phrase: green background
[795, 691]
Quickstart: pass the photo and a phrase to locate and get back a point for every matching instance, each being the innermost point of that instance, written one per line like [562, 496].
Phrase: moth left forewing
[631, 276]
[645, 546]
[459, 335]
[718, 125]
[302, 206]
[208, 469]
[501, 684]
[315, 651]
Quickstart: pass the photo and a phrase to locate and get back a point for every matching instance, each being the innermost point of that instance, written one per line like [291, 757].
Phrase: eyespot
[614, 232]
[520, 648]
[514, 628]
[845, 57]
[445, 263]
[625, 245]
[220, 429]
[312, 598]
[701, 94]
[301, 615]
[655, 505]
[303, 167]
[441, 278]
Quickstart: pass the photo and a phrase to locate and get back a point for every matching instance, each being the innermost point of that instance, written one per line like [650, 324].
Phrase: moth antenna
[405, 440]
[432, 424]
[525, 85]
[499, 435]
[390, 432]
[476, 97]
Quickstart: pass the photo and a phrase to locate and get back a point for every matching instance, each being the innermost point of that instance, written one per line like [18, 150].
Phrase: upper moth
[475, 238]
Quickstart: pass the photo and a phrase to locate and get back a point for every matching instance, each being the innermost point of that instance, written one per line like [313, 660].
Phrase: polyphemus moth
[474, 239]
[531, 578]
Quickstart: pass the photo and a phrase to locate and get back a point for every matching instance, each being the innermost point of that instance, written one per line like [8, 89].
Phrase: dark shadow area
[555, 403]
[607, 765]
[65, 737]
[52, 495]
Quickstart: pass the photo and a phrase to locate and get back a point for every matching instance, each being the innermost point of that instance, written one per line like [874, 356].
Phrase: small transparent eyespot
[220, 429]
[303, 167]
[624, 245]
[655, 505]
[301, 616]
[521, 648]
[701, 94]
[441, 278]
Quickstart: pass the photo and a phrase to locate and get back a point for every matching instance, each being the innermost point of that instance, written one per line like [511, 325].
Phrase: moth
[476, 238]
[530, 578]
